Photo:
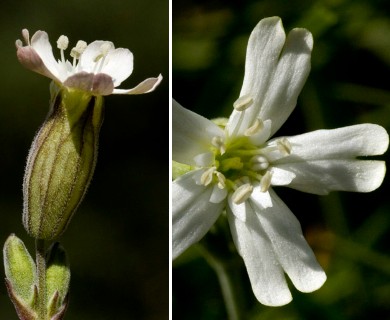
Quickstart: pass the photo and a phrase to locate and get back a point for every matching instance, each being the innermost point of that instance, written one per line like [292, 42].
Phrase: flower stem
[228, 266]
[40, 247]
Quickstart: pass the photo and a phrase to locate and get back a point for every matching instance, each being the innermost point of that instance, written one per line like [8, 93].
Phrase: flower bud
[61, 162]
[57, 281]
[20, 279]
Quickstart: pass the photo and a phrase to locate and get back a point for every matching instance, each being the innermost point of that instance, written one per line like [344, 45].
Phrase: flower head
[97, 68]
[235, 165]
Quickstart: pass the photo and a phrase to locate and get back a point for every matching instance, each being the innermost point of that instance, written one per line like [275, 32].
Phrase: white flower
[236, 166]
[97, 68]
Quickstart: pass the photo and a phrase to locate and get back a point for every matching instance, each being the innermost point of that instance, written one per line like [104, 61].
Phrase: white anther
[218, 142]
[242, 193]
[221, 180]
[243, 103]
[62, 42]
[77, 51]
[265, 182]
[207, 176]
[284, 146]
[259, 163]
[255, 128]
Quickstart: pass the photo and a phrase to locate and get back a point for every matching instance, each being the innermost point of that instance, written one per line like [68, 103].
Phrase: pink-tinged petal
[102, 85]
[290, 247]
[82, 81]
[192, 212]
[119, 65]
[191, 135]
[323, 176]
[97, 84]
[94, 49]
[265, 272]
[40, 43]
[31, 60]
[145, 86]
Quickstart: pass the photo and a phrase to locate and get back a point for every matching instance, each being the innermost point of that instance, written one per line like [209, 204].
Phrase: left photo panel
[84, 134]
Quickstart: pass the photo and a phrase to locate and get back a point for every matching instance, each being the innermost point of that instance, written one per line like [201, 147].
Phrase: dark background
[117, 242]
[348, 84]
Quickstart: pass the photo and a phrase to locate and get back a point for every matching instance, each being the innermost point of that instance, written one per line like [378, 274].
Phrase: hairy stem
[40, 247]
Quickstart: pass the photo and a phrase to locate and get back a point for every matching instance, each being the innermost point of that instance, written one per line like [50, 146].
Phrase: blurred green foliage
[348, 84]
[117, 242]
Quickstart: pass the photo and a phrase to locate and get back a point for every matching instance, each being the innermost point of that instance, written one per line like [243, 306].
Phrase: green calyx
[61, 162]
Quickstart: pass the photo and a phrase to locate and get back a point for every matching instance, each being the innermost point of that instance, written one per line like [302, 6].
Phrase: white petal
[290, 75]
[275, 73]
[341, 143]
[322, 176]
[262, 136]
[40, 43]
[191, 134]
[263, 199]
[218, 195]
[119, 65]
[87, 60]
[281, 177]
[264, 47]
[192, 212]
[265, 273]
[291, 249]
[239, 210]
[146, 86]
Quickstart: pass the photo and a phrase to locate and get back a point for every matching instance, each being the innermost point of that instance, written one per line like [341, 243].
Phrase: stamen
[104, 50]
[218, 142]
[221, 180]
[243, 103]
[26, 36]
[284, 146]
[207, 176]
[242, 193]
[255, 128]
[62, 42]
[77, 51]
[265, 182]
[259, 163]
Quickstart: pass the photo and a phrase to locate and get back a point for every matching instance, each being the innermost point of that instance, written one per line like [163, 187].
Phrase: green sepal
[57, 279]
[61, 162]
[20, 272]
[19, 268]
[178, 169]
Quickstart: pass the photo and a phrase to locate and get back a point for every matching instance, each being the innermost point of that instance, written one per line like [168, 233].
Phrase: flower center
[238, 164]
[75, 53]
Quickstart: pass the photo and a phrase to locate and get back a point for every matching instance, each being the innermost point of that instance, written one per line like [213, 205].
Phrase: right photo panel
[280, 120]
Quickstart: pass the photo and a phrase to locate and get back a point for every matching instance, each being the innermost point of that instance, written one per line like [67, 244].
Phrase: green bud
[61, 162]
[20, 279]
[57, 281]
